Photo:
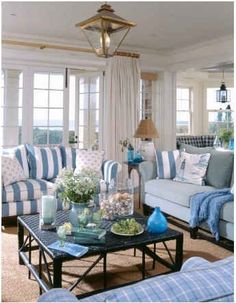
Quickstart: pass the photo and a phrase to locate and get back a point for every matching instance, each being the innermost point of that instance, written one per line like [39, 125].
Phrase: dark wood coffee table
[29, 231]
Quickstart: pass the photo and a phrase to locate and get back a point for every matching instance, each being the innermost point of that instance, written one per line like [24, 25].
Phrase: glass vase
[48, 209]
[80, 214]
[130, 155]
[157, 222]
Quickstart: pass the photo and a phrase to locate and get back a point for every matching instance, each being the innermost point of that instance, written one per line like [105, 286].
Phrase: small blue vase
[130, 155]
[157, 222]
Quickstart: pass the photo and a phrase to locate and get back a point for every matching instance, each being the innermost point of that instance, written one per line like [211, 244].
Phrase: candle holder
[48, 209]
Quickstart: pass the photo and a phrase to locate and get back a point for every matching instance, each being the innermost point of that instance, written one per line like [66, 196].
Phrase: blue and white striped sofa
[24, 197]
[198, 281]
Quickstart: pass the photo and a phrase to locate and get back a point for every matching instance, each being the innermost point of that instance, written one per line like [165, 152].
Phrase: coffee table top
[112, 243]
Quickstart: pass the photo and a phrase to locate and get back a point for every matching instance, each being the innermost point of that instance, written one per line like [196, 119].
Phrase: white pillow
[89, 159]
[191, 168]
[12, 171]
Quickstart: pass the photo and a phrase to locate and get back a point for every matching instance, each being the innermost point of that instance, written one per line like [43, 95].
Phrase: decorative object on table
[105, 31]
[231, 144]
[128, 227]
[89, 235]
[126, 144]
[157, 222]
[137, 157]
[146, 131]
[225, 135]
[217, 142]
[222, 94]
[70, 248]
[48, 209]
[61, 232]
[79, 190]
[119, 200]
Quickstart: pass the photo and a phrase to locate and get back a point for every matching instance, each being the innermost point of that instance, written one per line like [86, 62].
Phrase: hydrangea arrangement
[77, 188]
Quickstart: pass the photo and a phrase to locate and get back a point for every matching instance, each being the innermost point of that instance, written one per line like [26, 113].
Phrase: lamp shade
[105, 31]
[146, 130]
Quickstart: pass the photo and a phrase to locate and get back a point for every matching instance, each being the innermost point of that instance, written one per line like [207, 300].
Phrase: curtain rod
[61, 47]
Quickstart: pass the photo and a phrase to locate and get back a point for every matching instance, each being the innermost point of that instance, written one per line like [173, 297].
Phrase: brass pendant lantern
[222, 93]
[105, 31]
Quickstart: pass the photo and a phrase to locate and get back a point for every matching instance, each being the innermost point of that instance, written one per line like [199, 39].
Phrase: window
[11, 107]
[146, 99]
[219, 115]
[48, 108]
[184, 111]
[88, 111]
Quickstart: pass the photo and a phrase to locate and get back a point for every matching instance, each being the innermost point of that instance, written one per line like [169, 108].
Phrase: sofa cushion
[220, 168]
[29, 189]
[195, 150]
[174, 191]
[45, 162]
[12, 171]
[68, 157]
[166, 163]
[191, 168]
[89, 159]
[191, 140]
[21, 154]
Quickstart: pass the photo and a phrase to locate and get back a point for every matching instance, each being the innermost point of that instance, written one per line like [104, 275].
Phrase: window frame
[190, 109]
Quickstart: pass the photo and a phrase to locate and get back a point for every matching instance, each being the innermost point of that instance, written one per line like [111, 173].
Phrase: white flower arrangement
[77, 188]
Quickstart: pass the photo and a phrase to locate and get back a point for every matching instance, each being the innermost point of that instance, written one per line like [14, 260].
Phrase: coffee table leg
[179, 253]
[20, 229]
[57, 268]
[143, 263]
[105, 271]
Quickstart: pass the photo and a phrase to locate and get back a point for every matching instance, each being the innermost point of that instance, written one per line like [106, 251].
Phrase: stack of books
[89, 235]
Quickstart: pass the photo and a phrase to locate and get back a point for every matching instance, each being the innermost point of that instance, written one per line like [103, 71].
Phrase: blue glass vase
[157, 222]
[130, 155]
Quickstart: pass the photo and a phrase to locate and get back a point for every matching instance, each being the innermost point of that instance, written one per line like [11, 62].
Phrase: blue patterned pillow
[44, 162]
[166, 163]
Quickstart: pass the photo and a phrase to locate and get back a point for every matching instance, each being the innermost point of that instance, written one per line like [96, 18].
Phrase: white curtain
[121, 105]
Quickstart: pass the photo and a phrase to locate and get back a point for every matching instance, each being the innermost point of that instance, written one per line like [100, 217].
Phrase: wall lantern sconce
[105, 31]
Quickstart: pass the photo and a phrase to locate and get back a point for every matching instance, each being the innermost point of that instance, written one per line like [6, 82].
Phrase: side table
[135, 166]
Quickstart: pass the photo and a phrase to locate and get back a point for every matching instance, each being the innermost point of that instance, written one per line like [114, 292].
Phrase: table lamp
[146, 131]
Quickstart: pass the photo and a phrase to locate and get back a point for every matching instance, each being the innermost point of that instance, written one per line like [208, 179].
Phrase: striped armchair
[41, 167]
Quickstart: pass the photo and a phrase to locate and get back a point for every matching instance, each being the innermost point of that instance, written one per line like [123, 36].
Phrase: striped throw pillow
[68, 157]
[45, 162]
[166, 163]
[20, 153]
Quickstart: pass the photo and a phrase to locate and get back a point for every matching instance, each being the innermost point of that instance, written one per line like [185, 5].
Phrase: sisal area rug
[122, 267]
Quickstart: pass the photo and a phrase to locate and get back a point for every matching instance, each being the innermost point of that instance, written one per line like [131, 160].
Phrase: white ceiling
[161, 26]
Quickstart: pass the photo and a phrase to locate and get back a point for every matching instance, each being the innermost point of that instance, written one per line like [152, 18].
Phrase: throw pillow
[12, 171]
[45, 163]
[20, 153]
[192, 168]
[166, 163]
[68, 157]
[89, 159]
[220, 169]
[195, 150]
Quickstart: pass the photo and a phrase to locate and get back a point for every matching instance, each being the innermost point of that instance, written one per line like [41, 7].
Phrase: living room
[65, 94]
